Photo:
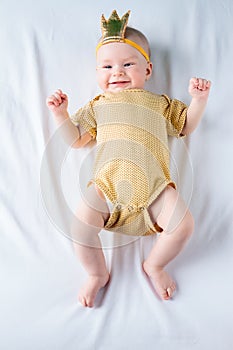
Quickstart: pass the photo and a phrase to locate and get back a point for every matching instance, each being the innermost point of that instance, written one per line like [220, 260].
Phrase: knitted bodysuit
[132, 157]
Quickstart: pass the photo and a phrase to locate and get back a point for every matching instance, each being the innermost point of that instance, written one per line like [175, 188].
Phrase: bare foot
[162, 281]
[90, 289]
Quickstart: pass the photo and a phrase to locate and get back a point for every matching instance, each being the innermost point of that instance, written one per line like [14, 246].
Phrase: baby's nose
[118, 71]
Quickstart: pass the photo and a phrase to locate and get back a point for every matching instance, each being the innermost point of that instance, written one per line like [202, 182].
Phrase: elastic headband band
[126, 41]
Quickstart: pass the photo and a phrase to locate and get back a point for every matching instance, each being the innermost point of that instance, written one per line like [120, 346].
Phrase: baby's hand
[199, 88]
[58, 102]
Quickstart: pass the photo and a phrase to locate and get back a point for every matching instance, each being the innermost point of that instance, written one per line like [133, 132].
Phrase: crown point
[114, 27]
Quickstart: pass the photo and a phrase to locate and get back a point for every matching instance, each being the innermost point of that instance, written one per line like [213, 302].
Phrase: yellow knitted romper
[131, 168]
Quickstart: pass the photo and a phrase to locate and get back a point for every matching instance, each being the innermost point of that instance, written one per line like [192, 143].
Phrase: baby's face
[121, 66]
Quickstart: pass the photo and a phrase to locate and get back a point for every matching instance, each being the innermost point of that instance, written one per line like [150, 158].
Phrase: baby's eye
[128, 64]
[108, 66]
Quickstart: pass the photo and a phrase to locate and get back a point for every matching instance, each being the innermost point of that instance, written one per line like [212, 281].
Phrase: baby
[131, 191]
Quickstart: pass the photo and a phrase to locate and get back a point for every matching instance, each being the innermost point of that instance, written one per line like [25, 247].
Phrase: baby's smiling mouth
[119, 82]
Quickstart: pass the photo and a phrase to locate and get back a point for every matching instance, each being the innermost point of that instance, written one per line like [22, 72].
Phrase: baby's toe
[171, 290]
[164, 294]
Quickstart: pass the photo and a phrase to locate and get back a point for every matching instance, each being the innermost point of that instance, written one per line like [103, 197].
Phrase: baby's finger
[194, 81]
[200, 83]
[208, 84]
[59, 92]
[52, 100]
[64, 96]
[58, 97]
[205, 84]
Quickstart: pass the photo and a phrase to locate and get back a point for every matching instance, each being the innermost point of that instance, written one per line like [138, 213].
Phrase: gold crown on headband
[113, 30]
[114, 27]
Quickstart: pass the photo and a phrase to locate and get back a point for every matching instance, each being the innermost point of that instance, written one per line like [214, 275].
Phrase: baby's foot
[162, 281]
[90, 289]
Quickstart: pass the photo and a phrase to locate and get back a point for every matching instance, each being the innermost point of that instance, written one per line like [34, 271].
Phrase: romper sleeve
[175, 113]
[85, 117]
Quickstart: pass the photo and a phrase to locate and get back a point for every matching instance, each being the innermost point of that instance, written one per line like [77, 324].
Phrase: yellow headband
[113, 30]
[126, 41]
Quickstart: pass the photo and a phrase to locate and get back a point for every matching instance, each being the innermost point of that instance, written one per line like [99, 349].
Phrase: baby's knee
[187, 225]
[182, 229]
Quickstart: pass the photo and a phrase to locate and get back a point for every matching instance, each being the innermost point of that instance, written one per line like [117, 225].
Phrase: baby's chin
[119, 86]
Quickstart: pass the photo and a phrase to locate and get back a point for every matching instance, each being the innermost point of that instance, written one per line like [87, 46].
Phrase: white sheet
[51, 44]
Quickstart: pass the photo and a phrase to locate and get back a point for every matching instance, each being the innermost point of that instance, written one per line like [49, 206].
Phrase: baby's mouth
[123, 82]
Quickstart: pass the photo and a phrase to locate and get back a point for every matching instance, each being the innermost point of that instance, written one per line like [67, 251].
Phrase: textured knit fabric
[132, 159]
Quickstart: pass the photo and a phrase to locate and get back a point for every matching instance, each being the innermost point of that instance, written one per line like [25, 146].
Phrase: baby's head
[137, 37]
[123, 63]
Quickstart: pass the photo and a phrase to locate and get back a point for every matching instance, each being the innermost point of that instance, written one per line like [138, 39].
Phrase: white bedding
[47, 45]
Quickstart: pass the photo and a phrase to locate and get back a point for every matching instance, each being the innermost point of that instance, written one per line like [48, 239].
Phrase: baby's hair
[139, 37]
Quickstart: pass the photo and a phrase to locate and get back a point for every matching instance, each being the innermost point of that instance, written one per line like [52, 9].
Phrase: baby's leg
[173, 216]
[91, 215]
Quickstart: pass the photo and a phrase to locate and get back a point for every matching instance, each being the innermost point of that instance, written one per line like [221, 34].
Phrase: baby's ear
[149, 70]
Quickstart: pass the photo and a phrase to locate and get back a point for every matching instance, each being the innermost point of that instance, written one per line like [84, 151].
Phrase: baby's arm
[199, 90]
[58, 103]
